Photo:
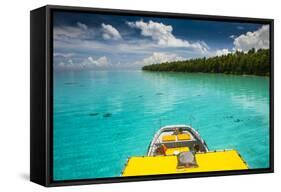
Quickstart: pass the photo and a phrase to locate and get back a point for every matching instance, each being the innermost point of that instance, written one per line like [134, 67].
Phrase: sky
[84, 41]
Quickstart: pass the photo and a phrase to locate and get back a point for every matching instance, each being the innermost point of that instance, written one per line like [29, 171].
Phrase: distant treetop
[253, 62]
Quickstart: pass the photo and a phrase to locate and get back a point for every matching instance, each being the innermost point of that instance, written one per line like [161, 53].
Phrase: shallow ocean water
[103, 117]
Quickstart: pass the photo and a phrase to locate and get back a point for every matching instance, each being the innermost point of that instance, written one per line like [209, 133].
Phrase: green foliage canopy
[253, 63]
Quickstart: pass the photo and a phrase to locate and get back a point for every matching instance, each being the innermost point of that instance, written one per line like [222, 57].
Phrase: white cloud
[258, 39]
[67, 65]
[87, 63]
[109, 32]
[240, 27]
[70, 62]
[221, 52]
[65, 55]
[82, 26]
[75, 39]
[68, 32]
[160, 57]
[100, 62]
[72, 32]
[232, 36]
[162, 34]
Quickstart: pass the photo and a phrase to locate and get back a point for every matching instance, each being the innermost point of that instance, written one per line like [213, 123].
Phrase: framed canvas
[119, 95]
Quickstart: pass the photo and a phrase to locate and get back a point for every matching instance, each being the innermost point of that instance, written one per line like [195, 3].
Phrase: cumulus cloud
[82, 25]
[67, 32]
[109, 32]
[221, 52]
[64, 55]
[100, 62]
[67, 65]
[85, 64]
[160, 57]
[70, 31]
[232, 36]
[163, 35]
[258, 39]
[240, 27]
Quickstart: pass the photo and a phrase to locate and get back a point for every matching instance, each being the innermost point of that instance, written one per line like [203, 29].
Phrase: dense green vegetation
[254, 62]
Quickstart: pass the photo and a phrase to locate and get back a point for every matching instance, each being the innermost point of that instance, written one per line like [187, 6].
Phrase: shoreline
[207, 73]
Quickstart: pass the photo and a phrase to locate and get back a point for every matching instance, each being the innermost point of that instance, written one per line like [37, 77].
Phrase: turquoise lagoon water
[103, 117]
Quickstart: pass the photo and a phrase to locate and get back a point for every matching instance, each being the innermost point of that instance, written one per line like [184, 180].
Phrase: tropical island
[251, 63]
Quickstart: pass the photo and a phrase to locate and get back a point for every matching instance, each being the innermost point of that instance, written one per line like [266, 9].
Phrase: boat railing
[156, 141]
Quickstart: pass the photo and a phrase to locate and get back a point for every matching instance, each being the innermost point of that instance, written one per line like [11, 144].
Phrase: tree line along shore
[254, 62]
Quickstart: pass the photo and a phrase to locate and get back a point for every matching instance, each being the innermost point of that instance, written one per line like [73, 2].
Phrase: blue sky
[95, 41]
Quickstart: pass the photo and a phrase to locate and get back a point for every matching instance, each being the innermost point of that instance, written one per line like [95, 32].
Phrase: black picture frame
[41, 95]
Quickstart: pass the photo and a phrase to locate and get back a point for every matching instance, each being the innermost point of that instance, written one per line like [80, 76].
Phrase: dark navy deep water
[103, 117]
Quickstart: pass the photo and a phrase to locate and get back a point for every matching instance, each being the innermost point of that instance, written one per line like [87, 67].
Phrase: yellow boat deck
[209, 161]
